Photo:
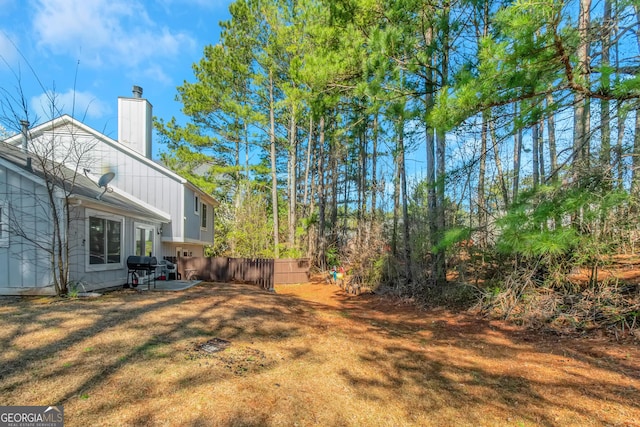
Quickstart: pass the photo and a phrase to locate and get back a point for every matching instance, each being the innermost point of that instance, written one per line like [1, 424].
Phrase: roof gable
[66, 121]
[76, 185]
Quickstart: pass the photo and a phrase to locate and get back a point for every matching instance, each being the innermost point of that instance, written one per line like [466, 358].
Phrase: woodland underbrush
[536, 297]
[561, 304]
[390, 279]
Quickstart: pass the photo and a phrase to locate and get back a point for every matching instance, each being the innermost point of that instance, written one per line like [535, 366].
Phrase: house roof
[78, 186]
[66, 120]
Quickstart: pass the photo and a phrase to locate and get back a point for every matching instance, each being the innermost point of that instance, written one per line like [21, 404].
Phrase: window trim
[148, 227]
[196, 204]
[203, 217]
[109, 217]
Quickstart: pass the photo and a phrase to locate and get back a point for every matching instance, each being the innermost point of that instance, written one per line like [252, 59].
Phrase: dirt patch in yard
[306, 355]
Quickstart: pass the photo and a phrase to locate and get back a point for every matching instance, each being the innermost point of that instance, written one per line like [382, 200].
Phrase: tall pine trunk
[307, 169]
[635, 159]
[405, 203]
[517, 154]
[274, 172]
[334, 176]
[482, 208]
[396, 203]
[581, 109]
[293, 178]
[553, 151]
[605, 114]
[374, 163]
[541, 164]
[362, 206]
[431, 177]
[535, 141]
[321, 243]
[498, 162]
[440, 264]
[620, 165]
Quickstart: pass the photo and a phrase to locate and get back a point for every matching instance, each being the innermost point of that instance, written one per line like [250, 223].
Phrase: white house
[147, 210]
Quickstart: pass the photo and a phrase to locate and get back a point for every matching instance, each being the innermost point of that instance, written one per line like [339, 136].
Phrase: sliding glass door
[144, 243]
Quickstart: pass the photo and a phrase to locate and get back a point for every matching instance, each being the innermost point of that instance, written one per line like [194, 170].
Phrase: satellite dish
[106, 179]
[104, 182]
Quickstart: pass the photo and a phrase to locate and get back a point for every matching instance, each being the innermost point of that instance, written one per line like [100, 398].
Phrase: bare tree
[57, 159]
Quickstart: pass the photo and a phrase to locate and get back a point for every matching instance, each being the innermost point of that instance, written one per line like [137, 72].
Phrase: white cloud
[157, 73]
[105, 32]
[78, 104]
[7, 49]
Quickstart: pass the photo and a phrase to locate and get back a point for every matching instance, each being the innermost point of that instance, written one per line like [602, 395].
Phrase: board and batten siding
[114, 276]
[23, 265]
[145, 180]
[193, 220]
[149, 185]
[134, 174]
[207, 234]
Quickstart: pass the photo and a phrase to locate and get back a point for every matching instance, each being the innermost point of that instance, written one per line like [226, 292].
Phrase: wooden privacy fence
[259, 271]
[290, 271]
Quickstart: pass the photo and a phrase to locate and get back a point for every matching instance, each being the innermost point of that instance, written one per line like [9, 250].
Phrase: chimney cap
[137, 92]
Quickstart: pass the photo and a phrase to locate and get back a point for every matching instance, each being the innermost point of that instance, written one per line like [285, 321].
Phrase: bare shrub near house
[40, 217]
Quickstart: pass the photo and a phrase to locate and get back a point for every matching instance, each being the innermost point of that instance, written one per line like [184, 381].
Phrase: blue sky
[103, 48]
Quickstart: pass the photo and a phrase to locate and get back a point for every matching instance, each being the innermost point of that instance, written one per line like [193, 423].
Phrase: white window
[203, 217]
[4, 224]
[196, 204]
[104, 242]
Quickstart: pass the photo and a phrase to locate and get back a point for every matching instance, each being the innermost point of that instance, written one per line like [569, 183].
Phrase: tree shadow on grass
[431, 361]
[456, 361]
[435, 386]
[119, 313]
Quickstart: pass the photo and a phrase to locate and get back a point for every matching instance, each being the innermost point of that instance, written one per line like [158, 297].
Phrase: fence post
[270, 276]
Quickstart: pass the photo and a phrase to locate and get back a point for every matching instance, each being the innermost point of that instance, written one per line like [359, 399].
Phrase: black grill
[137, 263]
